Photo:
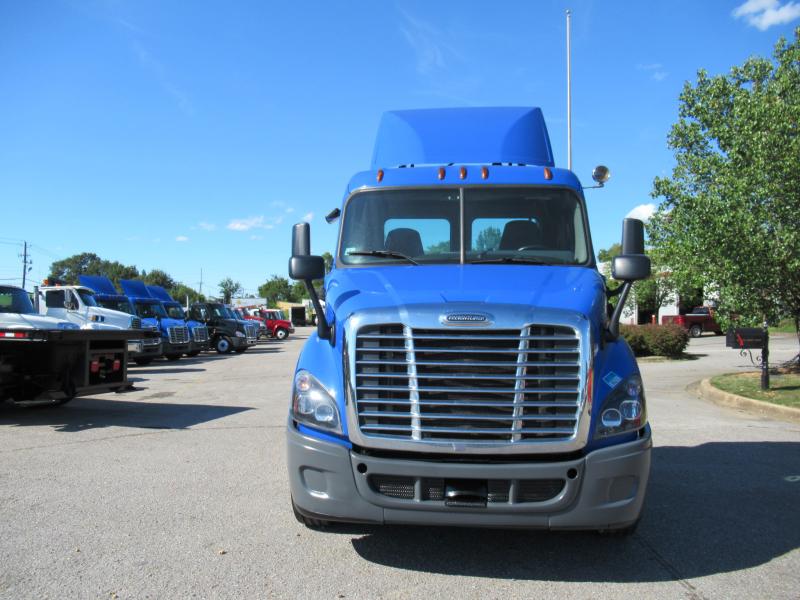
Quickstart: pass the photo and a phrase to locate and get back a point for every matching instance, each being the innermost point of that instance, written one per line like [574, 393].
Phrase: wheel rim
[281, 334]
[222, 345]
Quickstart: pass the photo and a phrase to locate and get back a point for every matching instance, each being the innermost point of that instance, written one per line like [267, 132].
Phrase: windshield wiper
[509, 259]
[383, 254]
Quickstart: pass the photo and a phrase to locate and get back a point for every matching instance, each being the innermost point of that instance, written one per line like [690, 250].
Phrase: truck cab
[465, 370]
[106, 296]
[174, 333]
[198, 332]
[227, 333]
[277, 325]
[77, 304]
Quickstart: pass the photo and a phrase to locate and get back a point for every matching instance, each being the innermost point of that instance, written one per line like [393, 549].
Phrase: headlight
[239, 334]
[623, 410]
[313, 405]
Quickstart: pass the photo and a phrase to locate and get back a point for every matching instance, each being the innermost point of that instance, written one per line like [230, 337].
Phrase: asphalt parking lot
[179, 490]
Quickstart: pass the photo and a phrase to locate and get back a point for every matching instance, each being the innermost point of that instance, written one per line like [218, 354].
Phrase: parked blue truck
[467, 369]
[107, 296]
[174, 333]
[198, 332]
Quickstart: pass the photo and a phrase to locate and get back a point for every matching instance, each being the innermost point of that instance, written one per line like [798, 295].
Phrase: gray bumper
[607, 489]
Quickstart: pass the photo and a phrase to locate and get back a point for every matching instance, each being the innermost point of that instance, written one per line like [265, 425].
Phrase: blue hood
[578, 289]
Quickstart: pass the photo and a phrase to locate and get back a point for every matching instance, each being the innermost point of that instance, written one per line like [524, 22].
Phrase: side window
[55, 299]
[433, 235]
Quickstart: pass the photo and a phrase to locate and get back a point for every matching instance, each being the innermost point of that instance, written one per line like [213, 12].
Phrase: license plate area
[469, 493]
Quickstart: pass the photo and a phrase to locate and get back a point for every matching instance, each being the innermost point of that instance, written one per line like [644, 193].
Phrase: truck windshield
[527, 225]
[15, 300]
[120, 305]
[149, 311]
[175, 311]
[220, 311]
[87, 297]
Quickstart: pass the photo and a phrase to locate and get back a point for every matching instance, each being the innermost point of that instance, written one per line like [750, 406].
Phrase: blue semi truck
[175, 336]
[467, 368]
[107, 296]
[198, 332]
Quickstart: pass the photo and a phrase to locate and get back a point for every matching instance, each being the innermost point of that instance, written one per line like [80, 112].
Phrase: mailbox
[746, 338]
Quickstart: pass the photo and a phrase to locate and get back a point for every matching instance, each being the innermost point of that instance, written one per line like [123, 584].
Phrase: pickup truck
[44, 359]
[273, 320]
[699, 320]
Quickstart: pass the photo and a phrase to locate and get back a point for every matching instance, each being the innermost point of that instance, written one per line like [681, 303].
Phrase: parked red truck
[698, 321]
[277, 326]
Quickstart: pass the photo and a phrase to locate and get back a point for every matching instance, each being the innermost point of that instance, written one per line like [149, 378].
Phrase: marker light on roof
[462, 172]
[548, 174]
[380, 175]
[484, 172]
[441, 173]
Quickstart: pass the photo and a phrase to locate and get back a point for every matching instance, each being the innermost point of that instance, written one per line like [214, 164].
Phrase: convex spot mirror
[601, 174]
[631, 267]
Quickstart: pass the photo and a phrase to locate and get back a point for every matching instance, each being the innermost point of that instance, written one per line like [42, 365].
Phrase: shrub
[662, 340]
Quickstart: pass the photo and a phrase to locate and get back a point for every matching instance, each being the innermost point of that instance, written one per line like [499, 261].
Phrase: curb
[764, 409]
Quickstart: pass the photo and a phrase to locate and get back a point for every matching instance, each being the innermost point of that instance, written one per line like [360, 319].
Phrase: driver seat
[517, 234]
[405, 241]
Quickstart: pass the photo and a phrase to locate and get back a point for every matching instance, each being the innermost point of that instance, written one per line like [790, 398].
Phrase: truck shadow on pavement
[714, 508]
[90, 413]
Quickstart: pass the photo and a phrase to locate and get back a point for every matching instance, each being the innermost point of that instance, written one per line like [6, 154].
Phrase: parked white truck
[76, 304]
[43, 358]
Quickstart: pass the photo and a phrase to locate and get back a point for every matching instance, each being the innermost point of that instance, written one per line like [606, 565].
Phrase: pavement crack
[693, 592]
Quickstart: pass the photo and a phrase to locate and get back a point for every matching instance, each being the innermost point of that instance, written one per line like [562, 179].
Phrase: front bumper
[135, 347]
[149, 349]
[198, 346]
[175, 348]
[603, 490]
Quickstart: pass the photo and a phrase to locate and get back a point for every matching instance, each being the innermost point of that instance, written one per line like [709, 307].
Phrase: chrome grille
[152, 341]
[251, 331]
[200, 333]
[178, 335]
[136, 323]
[469, 385]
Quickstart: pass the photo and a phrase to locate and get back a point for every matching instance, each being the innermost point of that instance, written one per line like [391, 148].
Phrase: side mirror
[632, 237]
[307, 268]
[631, 267]
[70, 305]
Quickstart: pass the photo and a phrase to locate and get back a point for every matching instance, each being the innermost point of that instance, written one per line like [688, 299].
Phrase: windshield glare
[175, 311]
[87, 297]
[13, 300]
[536, 224]
[120, 305]
[150, 311]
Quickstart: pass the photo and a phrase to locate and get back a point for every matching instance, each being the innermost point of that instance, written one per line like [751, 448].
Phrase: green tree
[276, 289]
[87, 263]
[180, 291]
[438, 248]
[488, 239]
[298, 291]
[729, 212]
[229, 288]
[607, 254]
[159, 277]
[328, 258]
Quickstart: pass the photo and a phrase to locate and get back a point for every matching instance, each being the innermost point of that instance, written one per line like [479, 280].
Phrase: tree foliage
[488, 239]
[159, 277]
[228, 288]
[729, 212]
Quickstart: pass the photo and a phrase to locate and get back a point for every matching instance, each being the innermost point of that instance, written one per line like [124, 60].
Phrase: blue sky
[183, 136]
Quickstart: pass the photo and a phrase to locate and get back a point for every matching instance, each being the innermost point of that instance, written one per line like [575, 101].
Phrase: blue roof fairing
[464, 136]
[159, 293]
[99, 283]
[134, 288]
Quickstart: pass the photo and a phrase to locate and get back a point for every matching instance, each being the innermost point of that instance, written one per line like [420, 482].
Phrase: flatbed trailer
[59, 365]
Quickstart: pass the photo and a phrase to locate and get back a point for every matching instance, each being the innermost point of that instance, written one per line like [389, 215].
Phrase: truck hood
[112, 317]
[578, 289]
[18, 321]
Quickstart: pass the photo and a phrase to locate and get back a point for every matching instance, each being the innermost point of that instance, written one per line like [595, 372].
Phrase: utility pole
[201, 282]
[569, 91]
[26, 263]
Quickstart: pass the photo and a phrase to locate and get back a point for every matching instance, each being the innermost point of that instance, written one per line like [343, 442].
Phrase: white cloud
[660, 75]
[642, 212]
[246, 224]
[308, 217]
[206, 226]
[763, 14]
[431, 45]
[657, 72]
[181, 238]
[289, 210]
[256, 237]
[649, 67]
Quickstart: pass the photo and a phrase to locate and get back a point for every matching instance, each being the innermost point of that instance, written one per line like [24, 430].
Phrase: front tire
[193, 353]
[695, 331]
[172, 357]
[241, 350]
[281, 334]
[143, 362]
[223, 345]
